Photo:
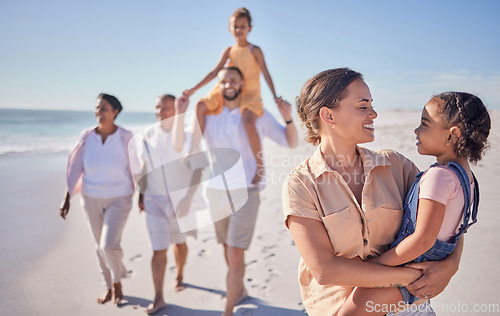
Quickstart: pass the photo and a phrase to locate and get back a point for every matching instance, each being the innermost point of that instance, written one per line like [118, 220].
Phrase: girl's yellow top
[243, 59]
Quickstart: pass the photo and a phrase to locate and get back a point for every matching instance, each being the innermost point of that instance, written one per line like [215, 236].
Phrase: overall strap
[467, 212]
[412, 197]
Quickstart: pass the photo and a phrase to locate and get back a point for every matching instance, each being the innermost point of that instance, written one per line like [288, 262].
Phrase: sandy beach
[49, 265]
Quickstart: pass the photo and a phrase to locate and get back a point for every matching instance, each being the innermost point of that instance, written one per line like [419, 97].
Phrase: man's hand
[181, 103]
[188, 92]
[285, 109]
[183, 207]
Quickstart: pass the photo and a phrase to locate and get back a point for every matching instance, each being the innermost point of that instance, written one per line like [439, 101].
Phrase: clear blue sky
[59, 54]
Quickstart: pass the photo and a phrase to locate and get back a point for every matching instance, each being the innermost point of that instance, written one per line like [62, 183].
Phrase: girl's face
[432, 133]
[353, 117]
[104, 112]
[239, 27]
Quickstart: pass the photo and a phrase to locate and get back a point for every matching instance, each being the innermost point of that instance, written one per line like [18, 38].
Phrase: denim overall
[440, 249]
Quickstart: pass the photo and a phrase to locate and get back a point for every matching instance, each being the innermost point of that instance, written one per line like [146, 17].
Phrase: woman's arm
[211, 75]
[429, 220]
[436, 274]
[259, 56]
[313, 243]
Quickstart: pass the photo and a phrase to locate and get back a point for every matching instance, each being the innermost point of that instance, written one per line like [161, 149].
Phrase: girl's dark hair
[467, 112]
[115, 104]
[242, 12]
[327, 88]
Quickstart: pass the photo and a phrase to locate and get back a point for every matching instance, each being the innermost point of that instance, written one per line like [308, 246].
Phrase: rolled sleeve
[297, 200]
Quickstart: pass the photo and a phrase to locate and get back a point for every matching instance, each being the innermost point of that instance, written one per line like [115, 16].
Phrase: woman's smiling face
[354, 115]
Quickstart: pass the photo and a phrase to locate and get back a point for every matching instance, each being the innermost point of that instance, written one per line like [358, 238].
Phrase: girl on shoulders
[250, 60]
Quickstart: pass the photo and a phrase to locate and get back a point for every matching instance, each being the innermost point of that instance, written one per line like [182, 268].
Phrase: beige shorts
[236, 229]
[162, 225]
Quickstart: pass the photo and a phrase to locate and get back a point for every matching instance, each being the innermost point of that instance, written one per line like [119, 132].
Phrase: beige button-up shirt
[314, 190]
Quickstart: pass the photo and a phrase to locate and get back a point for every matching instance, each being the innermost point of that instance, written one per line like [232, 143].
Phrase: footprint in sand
[136, 257]
[269, 256]
[203, 253]
[266, 248]
[208, 239]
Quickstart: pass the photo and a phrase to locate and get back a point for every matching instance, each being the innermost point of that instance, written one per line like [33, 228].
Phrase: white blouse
[106, 167]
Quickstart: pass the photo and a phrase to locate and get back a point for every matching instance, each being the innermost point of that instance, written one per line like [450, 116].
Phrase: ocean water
[52, 131]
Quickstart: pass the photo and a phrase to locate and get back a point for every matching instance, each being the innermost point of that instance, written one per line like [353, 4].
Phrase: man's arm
[282, 135]
[178, 133]
[285, 109]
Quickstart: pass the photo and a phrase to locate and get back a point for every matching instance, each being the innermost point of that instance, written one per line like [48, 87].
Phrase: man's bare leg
[234, 280]
[180, 252]
[158, 266]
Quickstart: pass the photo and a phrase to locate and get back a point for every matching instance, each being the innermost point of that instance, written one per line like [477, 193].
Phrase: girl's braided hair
[467, 112]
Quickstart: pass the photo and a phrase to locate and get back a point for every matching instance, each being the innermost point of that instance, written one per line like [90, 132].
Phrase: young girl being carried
[442, 202]
[249, 59]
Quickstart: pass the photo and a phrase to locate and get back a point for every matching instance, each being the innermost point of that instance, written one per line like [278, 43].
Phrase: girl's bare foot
[155, 306]
[118, 294]
[106, 298]
[179, 285]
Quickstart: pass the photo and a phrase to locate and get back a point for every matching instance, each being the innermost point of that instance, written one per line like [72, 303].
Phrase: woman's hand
[436, 274]
[435, 278]
[64, 209]
[140, 202]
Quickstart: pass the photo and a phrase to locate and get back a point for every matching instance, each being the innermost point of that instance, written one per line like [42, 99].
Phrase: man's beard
[233, 97]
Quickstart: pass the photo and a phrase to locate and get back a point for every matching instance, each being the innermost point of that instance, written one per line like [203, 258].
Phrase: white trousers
[107, 219]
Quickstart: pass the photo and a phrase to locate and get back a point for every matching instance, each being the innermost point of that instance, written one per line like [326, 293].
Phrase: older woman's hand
[64, 209]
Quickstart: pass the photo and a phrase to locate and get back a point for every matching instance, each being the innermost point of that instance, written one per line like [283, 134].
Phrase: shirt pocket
[384, 224]
[345, 232]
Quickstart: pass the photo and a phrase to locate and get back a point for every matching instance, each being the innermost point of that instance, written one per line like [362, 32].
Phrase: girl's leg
[95, 214]
[115, 218]
[249, 118]
[364, 301]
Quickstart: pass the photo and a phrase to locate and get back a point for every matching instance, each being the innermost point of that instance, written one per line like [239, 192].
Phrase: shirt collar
[370, 158]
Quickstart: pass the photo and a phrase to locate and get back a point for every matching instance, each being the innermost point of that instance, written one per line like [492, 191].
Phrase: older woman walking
[99, 168]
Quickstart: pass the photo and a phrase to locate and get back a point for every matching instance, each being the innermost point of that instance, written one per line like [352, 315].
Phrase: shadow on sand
[249, 306]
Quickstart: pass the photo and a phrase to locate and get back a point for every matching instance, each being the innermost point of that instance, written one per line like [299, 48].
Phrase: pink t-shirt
[442, 185]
